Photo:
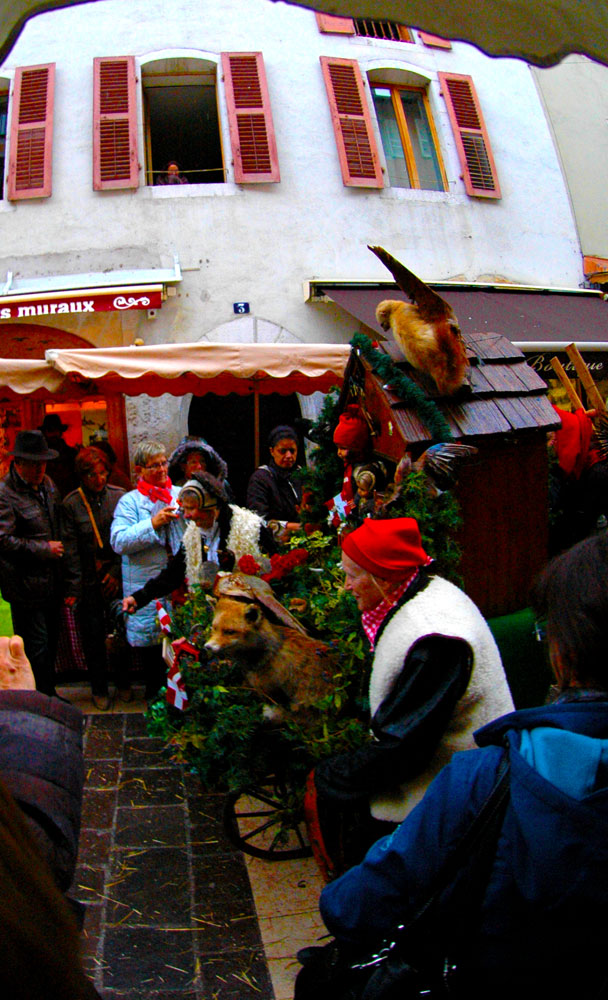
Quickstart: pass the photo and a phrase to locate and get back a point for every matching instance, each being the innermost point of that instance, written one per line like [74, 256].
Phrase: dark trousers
[93, 629]
[38, 626]
[150, 660]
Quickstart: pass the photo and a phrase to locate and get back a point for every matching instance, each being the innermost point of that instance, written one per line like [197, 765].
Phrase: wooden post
[593, 393]
[560, 371]
[256, 427]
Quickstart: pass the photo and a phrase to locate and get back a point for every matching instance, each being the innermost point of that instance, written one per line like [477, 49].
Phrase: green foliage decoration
[404, 388]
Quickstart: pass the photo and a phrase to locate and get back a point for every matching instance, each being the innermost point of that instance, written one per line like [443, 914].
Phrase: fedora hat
[32, 445]
[53, 422]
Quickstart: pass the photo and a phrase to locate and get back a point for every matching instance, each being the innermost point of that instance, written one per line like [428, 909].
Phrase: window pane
[184, 127]
[3, 117]
[421, 139]
[391, 139]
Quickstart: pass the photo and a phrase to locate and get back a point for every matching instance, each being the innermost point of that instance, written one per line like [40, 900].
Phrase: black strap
[479, 841]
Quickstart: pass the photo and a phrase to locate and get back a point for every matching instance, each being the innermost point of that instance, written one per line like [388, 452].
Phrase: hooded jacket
[541, 927]
[216, 465]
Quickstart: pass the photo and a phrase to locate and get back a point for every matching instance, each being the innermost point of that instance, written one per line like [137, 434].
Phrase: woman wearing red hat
[436, 678]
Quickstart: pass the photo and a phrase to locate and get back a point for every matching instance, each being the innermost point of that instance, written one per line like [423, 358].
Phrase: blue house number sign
[240, 307]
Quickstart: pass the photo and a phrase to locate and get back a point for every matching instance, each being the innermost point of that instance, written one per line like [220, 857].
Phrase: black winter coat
[28, 521]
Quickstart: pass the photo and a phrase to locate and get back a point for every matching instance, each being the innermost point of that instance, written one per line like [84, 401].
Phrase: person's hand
[288, 530]
[15, 668]
[129, 604]
[69, 602]
[164, 516]
[109, 586]
[56, 549]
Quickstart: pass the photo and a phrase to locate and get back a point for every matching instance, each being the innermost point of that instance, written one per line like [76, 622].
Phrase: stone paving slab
[170, 912]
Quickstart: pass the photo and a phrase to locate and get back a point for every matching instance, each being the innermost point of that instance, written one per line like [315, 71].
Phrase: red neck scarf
[156, 493]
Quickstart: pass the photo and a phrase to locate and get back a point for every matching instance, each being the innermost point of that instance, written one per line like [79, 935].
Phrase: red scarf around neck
[156, 493]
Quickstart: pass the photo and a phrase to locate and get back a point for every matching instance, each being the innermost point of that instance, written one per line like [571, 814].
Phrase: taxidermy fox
[288, 669]
[427, 330]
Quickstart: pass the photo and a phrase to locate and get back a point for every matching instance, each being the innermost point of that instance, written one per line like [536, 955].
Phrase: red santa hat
[389, 548]
[352, 431]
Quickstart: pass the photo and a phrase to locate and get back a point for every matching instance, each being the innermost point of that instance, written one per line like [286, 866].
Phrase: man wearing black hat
[62, 468]
[31, 552]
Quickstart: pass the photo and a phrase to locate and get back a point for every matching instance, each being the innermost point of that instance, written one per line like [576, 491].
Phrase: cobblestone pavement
[170, 909]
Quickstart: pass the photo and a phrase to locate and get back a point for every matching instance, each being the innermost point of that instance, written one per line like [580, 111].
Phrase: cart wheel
[261, 820]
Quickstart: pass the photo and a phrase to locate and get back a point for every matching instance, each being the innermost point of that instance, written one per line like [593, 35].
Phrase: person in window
[171, 175]
[146, 531]
[272, 491]
[541, 927]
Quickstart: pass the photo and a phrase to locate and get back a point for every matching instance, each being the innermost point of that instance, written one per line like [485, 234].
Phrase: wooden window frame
[464, 131]
[244, 117]
[24, 133]
[343, 122]
[100, 118]
[404, 133]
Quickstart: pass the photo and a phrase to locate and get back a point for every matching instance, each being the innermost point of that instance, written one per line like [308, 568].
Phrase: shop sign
[596, 361]
[63, 305]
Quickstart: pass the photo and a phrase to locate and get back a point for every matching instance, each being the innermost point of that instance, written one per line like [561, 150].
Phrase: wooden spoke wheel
[265, 821]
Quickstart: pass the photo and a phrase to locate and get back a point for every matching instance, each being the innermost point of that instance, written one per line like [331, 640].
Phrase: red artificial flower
[248, 565]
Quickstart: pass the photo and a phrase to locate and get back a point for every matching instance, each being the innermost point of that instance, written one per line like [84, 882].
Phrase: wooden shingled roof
[506, 395]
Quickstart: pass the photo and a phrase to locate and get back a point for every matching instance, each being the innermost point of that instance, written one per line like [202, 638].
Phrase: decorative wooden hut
[503, 490]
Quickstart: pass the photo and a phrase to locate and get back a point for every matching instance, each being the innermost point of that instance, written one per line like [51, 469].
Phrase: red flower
[248, 565]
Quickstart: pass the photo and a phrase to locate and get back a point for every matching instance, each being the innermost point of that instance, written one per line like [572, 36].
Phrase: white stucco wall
[258, 243]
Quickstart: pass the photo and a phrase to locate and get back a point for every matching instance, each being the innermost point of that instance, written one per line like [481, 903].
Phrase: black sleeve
[259, 492]
[169, 579]
[407, 726]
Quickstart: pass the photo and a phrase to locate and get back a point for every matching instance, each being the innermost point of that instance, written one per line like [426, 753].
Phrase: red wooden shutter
[434, 41]
[330, 24]
[30, 161]
[254, 147]
[115, 163]
[352, 123]
[478, 167]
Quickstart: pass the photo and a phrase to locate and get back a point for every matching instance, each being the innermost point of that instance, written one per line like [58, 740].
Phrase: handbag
[402, 967]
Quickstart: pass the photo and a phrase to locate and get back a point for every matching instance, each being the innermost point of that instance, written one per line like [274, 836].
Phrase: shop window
[408, 137]
[181, 121]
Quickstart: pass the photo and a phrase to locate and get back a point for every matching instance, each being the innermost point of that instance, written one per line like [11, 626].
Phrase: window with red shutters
[332, 24]
[352, 123]
[252, 135]
[31, 142]
[115, 162]
[472, 142]
[434, 41]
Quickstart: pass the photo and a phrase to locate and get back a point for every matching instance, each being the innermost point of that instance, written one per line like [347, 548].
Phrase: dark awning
[530, 319]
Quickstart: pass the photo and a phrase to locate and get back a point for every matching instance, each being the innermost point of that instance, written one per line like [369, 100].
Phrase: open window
[408, 135]
[181, 120]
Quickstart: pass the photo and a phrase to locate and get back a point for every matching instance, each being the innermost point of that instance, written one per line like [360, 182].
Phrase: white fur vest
[243, 539]
[440, 609]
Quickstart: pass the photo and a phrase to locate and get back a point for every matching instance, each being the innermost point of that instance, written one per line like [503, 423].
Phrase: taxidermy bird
[439, 463]
[427, 331]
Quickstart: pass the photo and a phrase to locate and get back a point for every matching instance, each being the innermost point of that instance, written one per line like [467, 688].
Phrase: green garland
[404, 387]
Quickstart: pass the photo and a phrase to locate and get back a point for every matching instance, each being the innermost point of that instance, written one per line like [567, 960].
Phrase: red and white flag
[163, 618]
[176, 689]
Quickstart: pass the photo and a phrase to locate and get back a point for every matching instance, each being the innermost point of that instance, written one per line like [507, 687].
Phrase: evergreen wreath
[404, 388]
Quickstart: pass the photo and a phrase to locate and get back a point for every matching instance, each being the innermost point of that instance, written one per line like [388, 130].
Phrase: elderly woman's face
[204, 518]
[195, 462]
[95, 478]
[155, 470]
[285, 453]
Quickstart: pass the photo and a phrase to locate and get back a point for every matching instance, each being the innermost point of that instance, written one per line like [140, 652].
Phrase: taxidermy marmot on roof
[427, 331]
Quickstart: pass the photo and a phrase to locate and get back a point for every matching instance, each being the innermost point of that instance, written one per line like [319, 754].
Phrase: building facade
[303, 138]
